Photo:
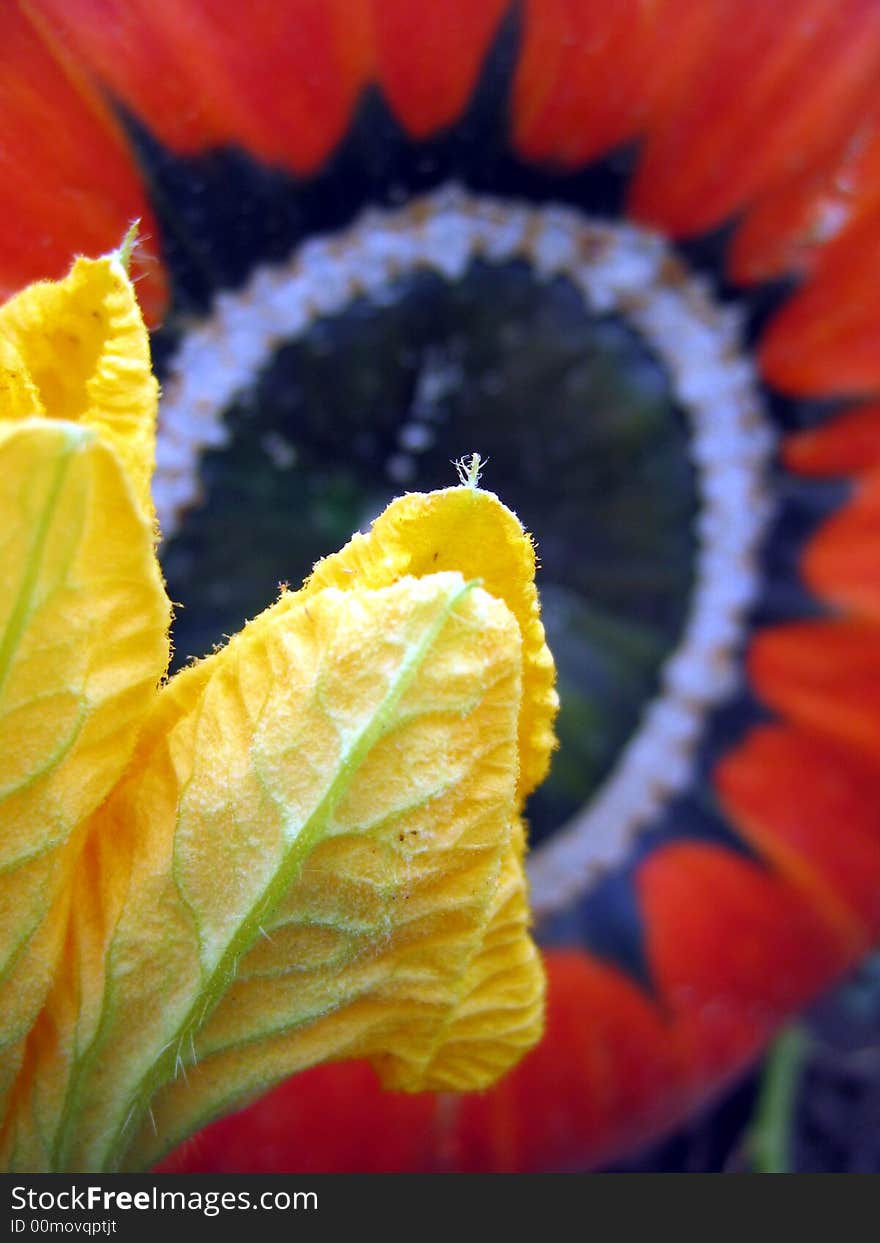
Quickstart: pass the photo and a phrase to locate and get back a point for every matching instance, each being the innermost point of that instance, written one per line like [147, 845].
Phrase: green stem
[769, 1140]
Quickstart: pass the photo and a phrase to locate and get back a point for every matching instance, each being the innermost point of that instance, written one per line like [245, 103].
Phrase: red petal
[813, 811]
[824, 675]
[786, 228]
[602, 1078]
[332, 1118]
[69, 186]
[781, 84]
[842, 561]
[733, 951]
[848, 444]
[279, 78]
[430, 55]
[583, 76]
[826, 339]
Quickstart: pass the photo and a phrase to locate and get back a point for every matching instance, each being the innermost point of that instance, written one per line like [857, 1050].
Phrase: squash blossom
[307, 846]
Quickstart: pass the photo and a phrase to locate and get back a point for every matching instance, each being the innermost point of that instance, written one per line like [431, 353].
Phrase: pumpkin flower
[307, 846]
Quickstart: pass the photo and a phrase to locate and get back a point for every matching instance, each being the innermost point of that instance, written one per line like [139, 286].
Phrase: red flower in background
[764, 115]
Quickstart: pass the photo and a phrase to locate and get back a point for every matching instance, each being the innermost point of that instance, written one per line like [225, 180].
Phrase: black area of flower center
[584, 442]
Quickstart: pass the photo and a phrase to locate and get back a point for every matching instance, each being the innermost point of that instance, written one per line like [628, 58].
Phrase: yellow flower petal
[86, 356]
[324, 860]
[314, 849]
[468, 530]
[83, 642]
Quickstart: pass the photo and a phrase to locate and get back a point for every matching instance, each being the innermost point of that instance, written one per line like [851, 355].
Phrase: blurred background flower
[631, 253]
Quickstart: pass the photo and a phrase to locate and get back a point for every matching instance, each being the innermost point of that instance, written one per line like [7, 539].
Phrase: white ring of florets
[616, 267]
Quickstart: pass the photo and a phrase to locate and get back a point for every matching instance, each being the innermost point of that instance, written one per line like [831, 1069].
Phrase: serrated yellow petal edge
[469, 530]
[78, 350]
